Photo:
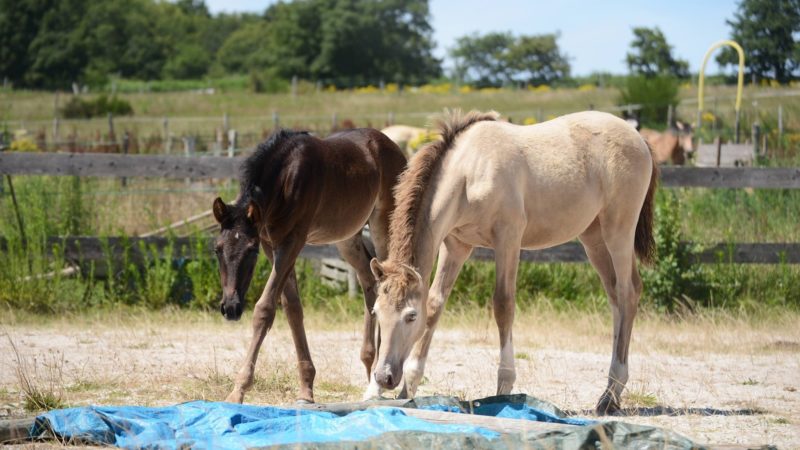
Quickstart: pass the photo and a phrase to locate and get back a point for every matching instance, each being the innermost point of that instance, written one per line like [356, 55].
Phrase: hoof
[303, 401]
[235, 397]
[607, 406]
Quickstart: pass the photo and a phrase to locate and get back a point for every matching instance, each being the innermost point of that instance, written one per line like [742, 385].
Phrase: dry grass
[702, 375]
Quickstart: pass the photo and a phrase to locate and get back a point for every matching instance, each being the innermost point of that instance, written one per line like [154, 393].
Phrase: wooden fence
[115, 165]
[164, 166]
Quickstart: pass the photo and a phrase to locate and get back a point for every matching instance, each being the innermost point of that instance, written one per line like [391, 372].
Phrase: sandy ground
[720, 381]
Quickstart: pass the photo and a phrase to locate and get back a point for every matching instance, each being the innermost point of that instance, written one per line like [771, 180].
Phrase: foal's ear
[255, 204]
[220, 210]
[377, 269]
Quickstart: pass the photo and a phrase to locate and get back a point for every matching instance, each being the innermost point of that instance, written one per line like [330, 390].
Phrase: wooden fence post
[780, 126]
[670, 116]
[167, 139]
[55, 131]
[232, 138]
[334, 120]
[126, 139]
[275, 120]
[756, 137]
[219, 141]
[188, 149]
[111, 136]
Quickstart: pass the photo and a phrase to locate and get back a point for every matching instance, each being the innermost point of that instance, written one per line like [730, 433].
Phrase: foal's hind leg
[507, 246]
[612, 257]
[452, 255]
[356, 254]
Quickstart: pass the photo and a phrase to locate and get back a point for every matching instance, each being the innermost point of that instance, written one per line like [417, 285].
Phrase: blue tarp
[206, 425]
[224, 425]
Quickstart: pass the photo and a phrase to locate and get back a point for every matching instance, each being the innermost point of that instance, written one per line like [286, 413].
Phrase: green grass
[72, 206]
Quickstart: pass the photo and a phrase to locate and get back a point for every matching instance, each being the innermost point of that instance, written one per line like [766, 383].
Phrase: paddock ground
[715, 378]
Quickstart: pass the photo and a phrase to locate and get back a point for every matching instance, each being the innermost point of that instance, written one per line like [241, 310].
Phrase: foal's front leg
[294, 314]
[452, 255]
[264, 315]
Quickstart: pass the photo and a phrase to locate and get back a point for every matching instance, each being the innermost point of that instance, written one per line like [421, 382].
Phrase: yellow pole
[739, 86]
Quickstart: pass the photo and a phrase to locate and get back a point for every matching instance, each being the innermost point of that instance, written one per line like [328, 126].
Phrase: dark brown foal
[297, 189]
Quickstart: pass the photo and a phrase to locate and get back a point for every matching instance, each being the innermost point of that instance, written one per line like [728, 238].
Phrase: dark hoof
[607, 406]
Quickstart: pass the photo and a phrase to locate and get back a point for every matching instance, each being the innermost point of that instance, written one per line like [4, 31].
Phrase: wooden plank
[117, 165]
[165, 166]
[92, 248]
[731, 155]
[731, 177]
[501, 425]
[15, 430]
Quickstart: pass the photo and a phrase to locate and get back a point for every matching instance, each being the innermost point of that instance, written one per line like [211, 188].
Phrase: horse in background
[297, 189]
[408, 138]
[671, 146]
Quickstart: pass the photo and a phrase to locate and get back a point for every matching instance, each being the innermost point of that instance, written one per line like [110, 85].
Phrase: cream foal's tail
[644, 242]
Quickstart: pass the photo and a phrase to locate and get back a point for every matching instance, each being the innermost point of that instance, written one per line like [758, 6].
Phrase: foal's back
[356, 171]
[553, 178]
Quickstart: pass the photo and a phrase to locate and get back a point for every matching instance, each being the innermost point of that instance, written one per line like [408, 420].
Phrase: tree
[483, 59]
[651, 55]
[366, 41]
[537, 60]
[497, 58]
[766, 31]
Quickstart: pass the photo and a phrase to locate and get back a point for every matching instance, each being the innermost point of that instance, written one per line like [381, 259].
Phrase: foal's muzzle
[231, 307]
[386, 377]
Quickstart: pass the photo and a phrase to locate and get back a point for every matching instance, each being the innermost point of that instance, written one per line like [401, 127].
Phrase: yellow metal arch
[703, 75]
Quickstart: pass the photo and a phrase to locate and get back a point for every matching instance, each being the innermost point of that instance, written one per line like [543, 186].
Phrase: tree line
[49, 44]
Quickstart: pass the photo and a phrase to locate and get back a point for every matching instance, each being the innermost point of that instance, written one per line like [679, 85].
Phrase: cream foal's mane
[413, 184]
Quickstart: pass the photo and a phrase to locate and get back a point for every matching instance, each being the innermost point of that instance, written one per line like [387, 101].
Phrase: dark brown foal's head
[237, 251]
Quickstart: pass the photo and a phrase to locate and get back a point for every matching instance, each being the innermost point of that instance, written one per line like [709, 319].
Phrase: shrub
[675, 277]
[78, 108]
[655, 94]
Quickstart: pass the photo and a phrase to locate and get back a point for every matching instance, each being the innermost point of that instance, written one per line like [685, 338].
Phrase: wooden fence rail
[165, 166]
[83, 249]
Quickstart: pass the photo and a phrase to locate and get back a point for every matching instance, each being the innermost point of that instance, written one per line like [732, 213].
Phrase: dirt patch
[723, 383]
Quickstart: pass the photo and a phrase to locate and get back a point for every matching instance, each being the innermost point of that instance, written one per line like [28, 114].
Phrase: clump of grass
[640, 398]
[749, 382]
[41, 391]
[522, 355]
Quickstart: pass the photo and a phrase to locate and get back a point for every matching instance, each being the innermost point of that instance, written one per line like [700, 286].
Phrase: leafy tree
[57, 54]
[19, 24]
[766, 30]
[651, 55]
[537, 60]
[364, 40]
[483, 59]
[496, 58]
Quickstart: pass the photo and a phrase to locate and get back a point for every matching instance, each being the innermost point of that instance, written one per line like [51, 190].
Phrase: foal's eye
[410, 317]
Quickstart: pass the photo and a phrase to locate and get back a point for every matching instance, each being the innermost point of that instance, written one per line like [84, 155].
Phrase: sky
[595, 35]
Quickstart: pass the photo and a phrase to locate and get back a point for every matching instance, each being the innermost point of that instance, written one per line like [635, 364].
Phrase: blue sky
[595, 34]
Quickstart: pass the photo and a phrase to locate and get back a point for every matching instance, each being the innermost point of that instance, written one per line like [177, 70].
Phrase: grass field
[199, 113]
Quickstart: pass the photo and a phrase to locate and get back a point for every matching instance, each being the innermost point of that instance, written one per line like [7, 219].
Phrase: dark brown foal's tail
[644, 242]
